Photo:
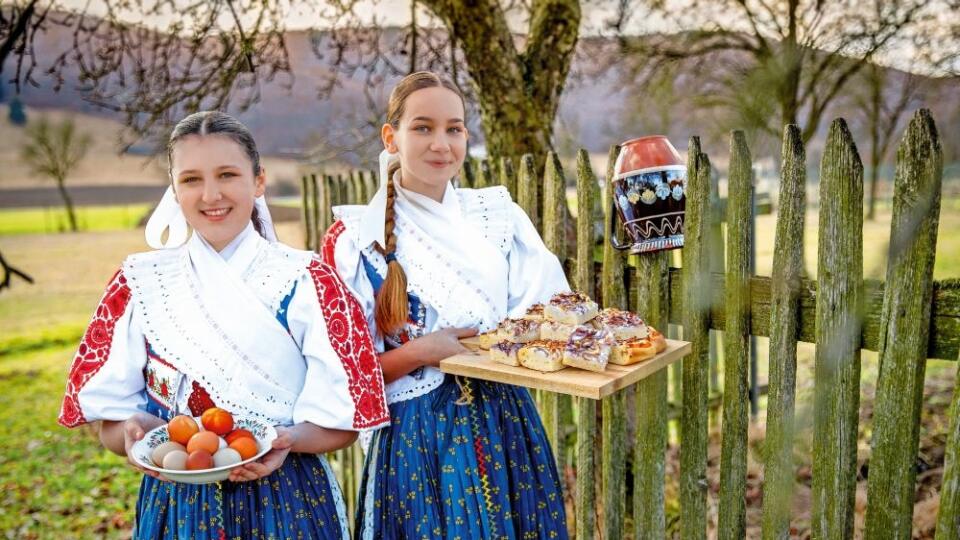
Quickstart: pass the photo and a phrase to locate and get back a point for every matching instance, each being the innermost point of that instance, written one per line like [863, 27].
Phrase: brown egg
[163, 449]
[226, 456]
[199, 460]
[175, 460]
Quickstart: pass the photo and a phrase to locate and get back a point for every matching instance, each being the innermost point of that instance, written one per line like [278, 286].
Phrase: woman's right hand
[119, 437]
[435, 346]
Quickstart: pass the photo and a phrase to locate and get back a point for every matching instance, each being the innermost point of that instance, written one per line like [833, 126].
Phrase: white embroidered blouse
[472, 260]
[263, 329]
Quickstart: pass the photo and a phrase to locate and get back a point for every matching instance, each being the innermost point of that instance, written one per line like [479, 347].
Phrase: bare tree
[53, 151]
[775, 62]
[883, 97]
[8, 272]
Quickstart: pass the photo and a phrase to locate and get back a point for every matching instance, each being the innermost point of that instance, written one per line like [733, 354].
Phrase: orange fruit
[217, 420]
[181, 428]
[247, 447]
[204, 440]
[237, 433]
[199, 460]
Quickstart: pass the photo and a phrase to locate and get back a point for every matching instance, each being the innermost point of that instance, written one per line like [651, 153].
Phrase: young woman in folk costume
[235, 320]
[462, 458]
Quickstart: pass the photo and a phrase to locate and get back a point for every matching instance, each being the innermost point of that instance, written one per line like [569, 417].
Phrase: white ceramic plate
[142, 449]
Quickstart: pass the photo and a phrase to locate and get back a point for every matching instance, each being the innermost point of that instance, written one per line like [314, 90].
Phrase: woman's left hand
[270, 462]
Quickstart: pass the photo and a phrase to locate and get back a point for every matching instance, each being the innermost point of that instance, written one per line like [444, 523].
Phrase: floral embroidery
[350, 339]
[95, 348]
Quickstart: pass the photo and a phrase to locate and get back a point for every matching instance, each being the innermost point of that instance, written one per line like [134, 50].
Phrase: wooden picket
[907, 319]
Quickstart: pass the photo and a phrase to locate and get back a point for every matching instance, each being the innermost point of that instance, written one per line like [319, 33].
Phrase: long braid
[392, 303]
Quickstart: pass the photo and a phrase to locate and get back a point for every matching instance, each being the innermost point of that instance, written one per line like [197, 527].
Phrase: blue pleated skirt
[299, 500]
[467, 461]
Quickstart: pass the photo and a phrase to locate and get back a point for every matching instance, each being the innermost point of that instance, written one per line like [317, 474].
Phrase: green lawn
[56, 483]
[54, 219]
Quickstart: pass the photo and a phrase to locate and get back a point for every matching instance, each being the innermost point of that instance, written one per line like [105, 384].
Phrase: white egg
[163, 449]
[226, 456]
[223, 443]
[176, 460]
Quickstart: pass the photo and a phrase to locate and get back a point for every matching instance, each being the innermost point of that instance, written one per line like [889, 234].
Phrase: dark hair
[218, 123]
[391, 303]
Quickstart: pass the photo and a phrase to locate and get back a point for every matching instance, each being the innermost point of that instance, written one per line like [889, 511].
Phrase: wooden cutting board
[571, 381]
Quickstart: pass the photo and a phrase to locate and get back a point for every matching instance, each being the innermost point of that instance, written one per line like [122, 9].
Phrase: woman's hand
[270, 461]
[119, 437]
[435, 346]
[426, 350]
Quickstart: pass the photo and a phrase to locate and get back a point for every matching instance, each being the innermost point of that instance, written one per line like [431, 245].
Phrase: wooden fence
[907, 319]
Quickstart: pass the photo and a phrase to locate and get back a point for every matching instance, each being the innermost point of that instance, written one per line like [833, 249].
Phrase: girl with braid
[431, 263]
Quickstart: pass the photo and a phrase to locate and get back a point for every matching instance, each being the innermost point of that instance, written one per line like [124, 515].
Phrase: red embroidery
[330, 242]
[94, 349]
[199, 400]
[351, 340]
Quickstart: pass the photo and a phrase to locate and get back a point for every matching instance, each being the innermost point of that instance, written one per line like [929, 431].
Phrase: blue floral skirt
[301, 499]
[468, 461]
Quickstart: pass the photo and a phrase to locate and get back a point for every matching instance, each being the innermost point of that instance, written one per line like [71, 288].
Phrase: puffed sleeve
[535, 273]
[106, 377]
[340, 252]
[343, 387]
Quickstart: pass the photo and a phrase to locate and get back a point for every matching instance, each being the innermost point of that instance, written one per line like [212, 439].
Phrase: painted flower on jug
[633, 196]
[678, 192]
[648, 196]
[663, 190]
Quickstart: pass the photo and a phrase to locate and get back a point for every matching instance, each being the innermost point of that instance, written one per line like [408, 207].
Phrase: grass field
[59, 483]
[89, 218]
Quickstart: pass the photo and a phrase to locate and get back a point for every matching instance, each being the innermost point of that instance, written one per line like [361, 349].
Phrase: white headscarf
[169, 216]
[371, 226]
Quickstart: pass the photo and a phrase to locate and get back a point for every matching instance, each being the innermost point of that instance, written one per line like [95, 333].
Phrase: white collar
[371, 223]
[238, 254]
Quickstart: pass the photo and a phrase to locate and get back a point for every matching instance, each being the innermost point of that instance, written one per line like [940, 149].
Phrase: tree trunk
[67, 203]
[518, 92]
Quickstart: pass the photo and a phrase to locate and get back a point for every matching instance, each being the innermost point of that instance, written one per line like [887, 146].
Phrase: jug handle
[613, 229]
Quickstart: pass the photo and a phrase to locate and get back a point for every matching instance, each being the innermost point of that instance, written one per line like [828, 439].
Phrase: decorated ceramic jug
[648, 188]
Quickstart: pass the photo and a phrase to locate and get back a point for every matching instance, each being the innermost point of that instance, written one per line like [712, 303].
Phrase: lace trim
[408, 387]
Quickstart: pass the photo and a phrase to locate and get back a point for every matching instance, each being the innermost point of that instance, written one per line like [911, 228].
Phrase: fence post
[527, 190]
[715, 250]
[586, 474]
[555, 406]
[614, 444]
[330, 198]
[696, 324]
[904, 330]
[586, 180]
[507, 177]
[307, 199]
[839, 322]
[778, 476]
[734, 448]
[467, 174]
[650, 444]
[948, 516]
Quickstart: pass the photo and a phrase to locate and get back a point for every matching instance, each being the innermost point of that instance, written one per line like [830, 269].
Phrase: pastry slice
[505, 352]
[658, 340]
[519, 330]
[623, 324]
[571, 308]
[542, 355]
[632, 351]
[487, 339]
[556, 331]
[534, 312]
[589, 349]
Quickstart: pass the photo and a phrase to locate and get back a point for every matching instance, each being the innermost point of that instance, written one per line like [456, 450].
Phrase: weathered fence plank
[508, 178]
[527, 190]
[308, 200]
[553, 406]
[614, 445]
[693, 428]
[733, 454]
[905, 323]
[948, 516]
[485, 177]
[779, 475]
[468, 174]
[650, 444]
[583, 276]
[586, 480]
[839, 312]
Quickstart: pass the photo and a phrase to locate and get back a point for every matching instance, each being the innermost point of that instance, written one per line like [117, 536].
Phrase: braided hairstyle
[392, 305]
[218, 123]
